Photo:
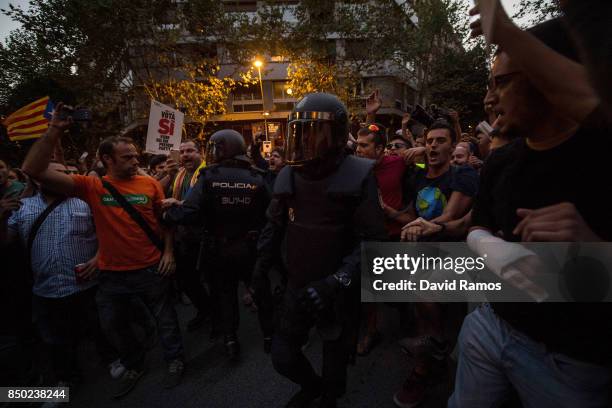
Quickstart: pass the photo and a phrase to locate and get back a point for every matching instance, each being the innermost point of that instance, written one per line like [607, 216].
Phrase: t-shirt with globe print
[432, 194]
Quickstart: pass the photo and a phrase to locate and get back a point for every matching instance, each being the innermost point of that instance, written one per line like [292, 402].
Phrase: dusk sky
[6, 24]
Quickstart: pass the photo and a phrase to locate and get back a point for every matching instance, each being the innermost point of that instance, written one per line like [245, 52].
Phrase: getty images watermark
[497, 272]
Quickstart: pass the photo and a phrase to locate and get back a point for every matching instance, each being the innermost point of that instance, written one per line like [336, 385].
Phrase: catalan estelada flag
[29, 122]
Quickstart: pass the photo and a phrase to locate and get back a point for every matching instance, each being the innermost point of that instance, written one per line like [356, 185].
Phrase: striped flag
[29, 122]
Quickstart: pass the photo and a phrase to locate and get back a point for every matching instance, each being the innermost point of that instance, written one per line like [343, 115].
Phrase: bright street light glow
[258, 63]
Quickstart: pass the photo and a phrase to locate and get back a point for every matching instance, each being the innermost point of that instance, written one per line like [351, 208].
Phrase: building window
[247, 93]
[283, 106]
[283, 98]
[239, 5]
[256, 107]
[356, 50]
[324, 50]
[247, 99]
[282, 90]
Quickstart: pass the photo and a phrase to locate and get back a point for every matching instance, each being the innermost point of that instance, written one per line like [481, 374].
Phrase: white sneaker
[116, 369]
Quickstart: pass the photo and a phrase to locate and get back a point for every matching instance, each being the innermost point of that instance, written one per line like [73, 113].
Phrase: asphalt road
[210, 380]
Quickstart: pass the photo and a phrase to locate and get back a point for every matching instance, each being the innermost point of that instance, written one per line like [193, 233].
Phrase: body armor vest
[319, 232]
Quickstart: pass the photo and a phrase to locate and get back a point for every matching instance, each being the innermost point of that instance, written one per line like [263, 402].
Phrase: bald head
[460, 156]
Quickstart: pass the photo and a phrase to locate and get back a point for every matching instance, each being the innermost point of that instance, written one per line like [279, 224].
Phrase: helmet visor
[308, 139]
[211, 152]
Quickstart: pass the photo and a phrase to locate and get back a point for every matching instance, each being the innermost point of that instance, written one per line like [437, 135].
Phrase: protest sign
[267, 147]
[165, 129]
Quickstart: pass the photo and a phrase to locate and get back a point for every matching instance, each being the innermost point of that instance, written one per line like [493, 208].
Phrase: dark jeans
[293, 325]
[61, 323]
[119, 292]
[188, 276]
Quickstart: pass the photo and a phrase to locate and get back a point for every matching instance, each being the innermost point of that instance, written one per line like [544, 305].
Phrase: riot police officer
[229, 200]
[324, 205]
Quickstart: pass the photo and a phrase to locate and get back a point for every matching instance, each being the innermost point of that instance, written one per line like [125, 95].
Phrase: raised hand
[492, 22]
[59, 121]
[405, 119]
[373, 103]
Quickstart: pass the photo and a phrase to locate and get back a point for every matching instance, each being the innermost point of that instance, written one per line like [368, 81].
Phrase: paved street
[211, 381]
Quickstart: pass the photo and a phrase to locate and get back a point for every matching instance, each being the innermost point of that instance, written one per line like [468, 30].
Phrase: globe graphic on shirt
[430, 202]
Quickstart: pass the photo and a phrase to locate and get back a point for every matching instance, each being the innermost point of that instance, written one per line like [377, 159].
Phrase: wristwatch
[343, 280]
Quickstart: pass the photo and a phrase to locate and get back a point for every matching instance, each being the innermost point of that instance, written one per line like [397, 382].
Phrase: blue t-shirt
[432, 194]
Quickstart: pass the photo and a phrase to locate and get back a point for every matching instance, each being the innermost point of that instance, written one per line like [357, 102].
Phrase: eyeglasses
[396, 146]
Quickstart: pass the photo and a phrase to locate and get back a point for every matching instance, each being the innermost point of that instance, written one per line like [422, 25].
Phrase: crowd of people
[107, 252]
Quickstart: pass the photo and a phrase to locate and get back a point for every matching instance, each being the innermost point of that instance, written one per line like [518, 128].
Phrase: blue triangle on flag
[49, 110]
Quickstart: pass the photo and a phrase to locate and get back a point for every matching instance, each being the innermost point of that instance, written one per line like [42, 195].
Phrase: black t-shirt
[577, 171]
[432, 194]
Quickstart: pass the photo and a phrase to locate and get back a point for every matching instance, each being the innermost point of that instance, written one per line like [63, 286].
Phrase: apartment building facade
[263, 107]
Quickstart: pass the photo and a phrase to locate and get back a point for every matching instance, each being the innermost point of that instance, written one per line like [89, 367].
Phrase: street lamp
[258, 65]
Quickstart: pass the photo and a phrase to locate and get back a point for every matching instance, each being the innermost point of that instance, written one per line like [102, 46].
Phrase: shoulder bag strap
[39, 221]
[135, 215]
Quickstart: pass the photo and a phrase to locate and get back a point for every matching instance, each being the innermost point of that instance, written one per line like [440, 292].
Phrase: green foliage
[370, 31]
[104, 53]
[201, 94]
[307, 76]
[458, 80]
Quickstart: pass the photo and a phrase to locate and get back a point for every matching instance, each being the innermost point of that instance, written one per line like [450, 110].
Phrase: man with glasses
[397, 145]
[552, 354]
[390, 171]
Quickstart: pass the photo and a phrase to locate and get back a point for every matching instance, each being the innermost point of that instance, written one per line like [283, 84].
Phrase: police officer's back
[229, 201]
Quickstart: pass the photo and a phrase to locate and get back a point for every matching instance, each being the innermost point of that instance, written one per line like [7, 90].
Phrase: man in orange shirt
[134, 265]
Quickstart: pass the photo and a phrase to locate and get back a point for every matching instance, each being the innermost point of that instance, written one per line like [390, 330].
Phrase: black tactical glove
[319, 295]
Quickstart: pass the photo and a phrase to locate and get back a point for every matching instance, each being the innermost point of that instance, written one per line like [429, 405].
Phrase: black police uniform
[229, 200]
[324, 205]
